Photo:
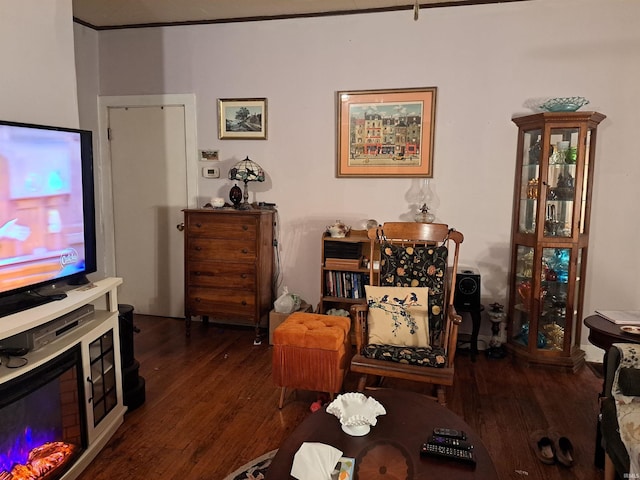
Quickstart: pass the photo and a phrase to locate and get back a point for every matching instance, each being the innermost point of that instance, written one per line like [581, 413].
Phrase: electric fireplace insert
[43, 420]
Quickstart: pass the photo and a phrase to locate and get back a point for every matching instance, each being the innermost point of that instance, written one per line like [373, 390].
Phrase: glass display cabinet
[550, 235]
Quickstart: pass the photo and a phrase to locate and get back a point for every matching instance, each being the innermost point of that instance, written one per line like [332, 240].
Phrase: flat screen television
[47, 213]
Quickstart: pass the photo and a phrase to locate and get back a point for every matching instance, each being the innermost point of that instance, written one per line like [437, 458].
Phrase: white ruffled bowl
[356, 412]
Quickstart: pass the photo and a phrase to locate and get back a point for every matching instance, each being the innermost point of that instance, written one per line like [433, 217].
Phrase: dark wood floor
[211, 406]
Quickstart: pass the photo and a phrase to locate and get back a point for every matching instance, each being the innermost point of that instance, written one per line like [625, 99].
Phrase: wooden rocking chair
[411, 254]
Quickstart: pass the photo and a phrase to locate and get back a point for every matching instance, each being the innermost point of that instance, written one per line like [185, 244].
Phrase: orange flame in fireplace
[42, 460]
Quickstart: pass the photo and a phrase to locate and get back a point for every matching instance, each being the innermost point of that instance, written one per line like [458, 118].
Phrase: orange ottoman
[311, 352]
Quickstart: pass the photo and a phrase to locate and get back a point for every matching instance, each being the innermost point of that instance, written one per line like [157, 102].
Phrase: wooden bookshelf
[345, 270]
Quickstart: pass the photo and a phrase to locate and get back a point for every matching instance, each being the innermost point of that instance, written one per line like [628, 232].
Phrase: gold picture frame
[242, 118]
[386, 133]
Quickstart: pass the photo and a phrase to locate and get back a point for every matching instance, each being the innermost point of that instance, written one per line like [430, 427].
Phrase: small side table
[476, 318]
[603, 333]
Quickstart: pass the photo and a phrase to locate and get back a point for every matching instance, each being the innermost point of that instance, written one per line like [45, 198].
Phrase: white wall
[38, 78]
[487, 62]
[38, 75]
[88, 80]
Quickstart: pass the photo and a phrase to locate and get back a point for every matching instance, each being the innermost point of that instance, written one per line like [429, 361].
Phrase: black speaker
[467, 295]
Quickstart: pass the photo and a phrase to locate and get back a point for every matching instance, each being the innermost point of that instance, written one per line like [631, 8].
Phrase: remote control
[448, 432]
[450, 442]
[457, 454]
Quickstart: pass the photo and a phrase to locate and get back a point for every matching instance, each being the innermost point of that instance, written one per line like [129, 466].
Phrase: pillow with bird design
[398, 316]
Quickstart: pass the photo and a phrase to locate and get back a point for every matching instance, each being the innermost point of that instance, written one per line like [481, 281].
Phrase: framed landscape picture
[242, 118]
[386, 133]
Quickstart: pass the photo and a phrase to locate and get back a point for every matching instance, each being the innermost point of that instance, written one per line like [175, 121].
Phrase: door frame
[103, 167]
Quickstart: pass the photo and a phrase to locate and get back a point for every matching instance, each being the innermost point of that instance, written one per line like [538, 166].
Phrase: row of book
[345, 284]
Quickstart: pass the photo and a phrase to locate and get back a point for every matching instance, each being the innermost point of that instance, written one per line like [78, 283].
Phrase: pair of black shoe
[552, 448]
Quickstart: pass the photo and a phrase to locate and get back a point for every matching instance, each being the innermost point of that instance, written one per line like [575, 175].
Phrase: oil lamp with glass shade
[427, 201]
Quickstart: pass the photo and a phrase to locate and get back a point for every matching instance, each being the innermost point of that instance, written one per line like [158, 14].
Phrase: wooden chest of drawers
[229, 266]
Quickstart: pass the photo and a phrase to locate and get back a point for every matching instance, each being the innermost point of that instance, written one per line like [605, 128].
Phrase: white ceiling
[103, 14]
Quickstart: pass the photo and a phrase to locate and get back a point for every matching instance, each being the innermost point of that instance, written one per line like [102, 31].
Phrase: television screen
[47, 216]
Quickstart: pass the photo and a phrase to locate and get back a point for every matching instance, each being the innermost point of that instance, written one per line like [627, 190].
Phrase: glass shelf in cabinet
[567, 165]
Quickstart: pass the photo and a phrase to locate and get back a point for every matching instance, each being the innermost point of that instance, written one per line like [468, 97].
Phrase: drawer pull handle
[199, 225]
[244, 303]
[198, 249]
[244, 275]
[244, 250]
[245, 227]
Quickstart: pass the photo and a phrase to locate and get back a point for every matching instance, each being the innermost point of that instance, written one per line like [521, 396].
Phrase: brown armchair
[411, 254]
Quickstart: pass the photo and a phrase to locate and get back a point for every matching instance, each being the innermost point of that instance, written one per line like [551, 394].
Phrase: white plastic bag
[287, 302]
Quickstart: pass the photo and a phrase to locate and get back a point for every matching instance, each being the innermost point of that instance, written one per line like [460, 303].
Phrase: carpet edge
[251, 463]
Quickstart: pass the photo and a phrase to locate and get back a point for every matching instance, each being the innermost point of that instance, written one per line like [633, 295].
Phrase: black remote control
[448, 432]
[450, 442]
[450, 453]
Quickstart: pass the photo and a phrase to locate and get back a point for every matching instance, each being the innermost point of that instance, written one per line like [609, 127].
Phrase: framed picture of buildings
[242, 118]
[386, 133]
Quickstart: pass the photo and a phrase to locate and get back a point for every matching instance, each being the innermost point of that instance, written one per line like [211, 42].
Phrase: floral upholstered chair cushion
[398, 316]
[425, 357]
[419, 266]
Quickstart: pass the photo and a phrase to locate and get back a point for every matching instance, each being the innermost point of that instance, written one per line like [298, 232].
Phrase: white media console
[96, 332]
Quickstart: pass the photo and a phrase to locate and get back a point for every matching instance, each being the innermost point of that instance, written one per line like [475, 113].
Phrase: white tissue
[315, 461]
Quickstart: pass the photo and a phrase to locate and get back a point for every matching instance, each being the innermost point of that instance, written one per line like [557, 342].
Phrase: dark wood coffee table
[393, 445]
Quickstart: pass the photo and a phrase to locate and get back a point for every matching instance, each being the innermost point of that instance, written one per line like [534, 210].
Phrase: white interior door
[149, 189]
